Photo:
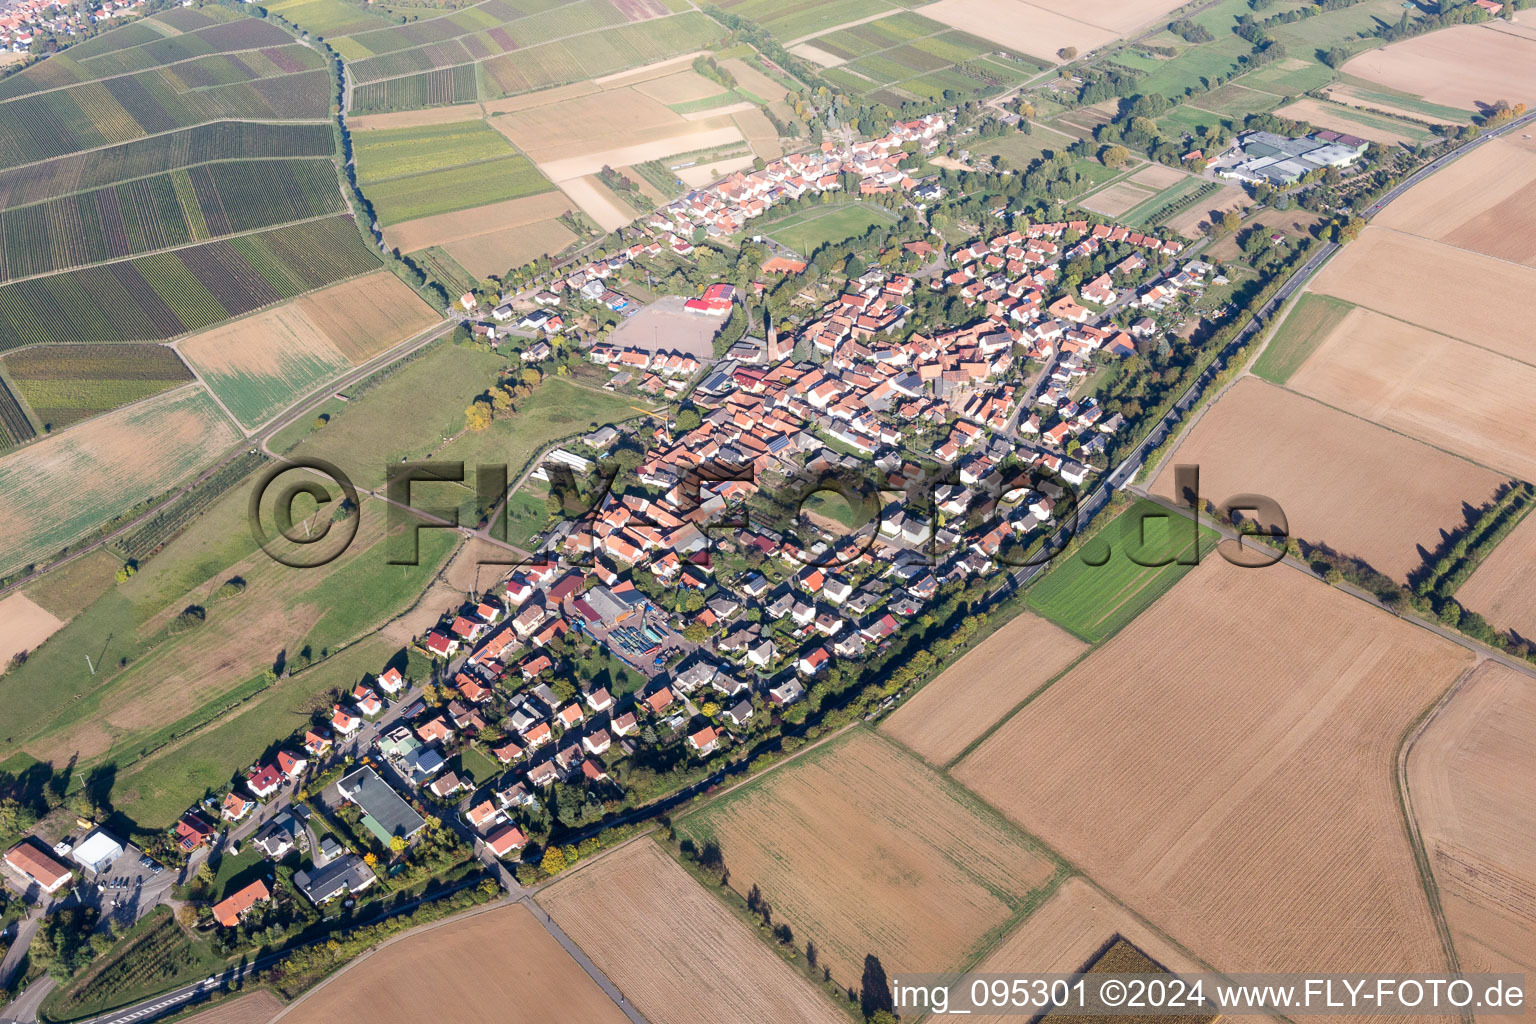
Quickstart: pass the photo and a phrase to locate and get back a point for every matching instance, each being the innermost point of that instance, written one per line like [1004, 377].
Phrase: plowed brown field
[1470, 777]
[1500, 590]
[500, 967]
[862, 848]
[1226, 767]
[673, 949]
[947, 715]
[1357, 487]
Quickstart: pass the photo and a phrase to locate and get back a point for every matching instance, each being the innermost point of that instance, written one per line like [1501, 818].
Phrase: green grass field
[1021, 150]
[1309, 322]
[456, 188]
[255, 398]
[1095, 601]
[369, 432]
[807, 230]
[395, 152]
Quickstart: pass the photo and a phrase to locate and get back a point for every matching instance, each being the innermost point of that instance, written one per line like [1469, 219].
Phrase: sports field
[1102, 585]
[808, 230]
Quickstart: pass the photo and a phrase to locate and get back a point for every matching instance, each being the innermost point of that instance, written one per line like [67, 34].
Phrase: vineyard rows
[53, 124]
[14, 425]
[229, 68]
[152, 213]
[429, 89]
[451, 25]
[65, 384]
[223, 140]
[602, 53]
[163, 295]
[245, 34]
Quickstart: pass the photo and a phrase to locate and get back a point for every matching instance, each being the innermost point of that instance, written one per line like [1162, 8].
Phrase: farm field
[516, 224]
[1020, 149]
[1393, 373]
[861, 847]
[256, 1007]
[1116, 199]
[262, 364]
[1500, 589]
[1092, 598]
[978, 691]
[64, 384]
[1359, 488]
[406, 173]
[1028, 28]
[23, 625]
[161, 296]
[102, 469]
[807, 230]
[441, 972]
[1476, 816]
[1385, 270]
[1308, 324]
[1461, 66]
[666, 942]
[15, 425]
[497, 251]
[164, 211]
[1367, 125]
[221, 140]
[1482, 203]
[1269, 838]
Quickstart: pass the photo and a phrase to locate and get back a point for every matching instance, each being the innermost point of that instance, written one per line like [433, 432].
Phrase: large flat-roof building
[385, 814]
[97, 852]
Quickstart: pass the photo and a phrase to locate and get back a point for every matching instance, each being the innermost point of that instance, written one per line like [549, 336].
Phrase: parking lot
[127, 890]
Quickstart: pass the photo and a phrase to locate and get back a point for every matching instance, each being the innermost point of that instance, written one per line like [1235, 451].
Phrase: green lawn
[1310, 320]
[1021, 150]
[405, 417]
[478, 766]
[235, 871]
[808, 230]
[526, 514]
[556, 409]
[1095, 601]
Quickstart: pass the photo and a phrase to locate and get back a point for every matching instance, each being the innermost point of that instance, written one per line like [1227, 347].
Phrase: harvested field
[441, 974]
[1116, 199]
[1500, 590]
[57, 489]
[1268, 837]
[1485, 202]
[1020, 26]
[1386, 270]
[757, 84]
[555, 133]
[1187, 222]
[1462, 66]
[816, 55]
[256, 1007]
[23, 625]
[969, 697]
[691, 136]
[668, 943]
[446, 228]
[1364, 98]
[664, 324]
[862, 848]
[1120, 16]
[368, 315]
[259, 365]
[1158, 176]
[1067, 932]
[498, 251]
[1359, 488]
[598, 202]
[760, 132]
[415, 118]
[1325, 115]
[679, 87]
[711, 171]
[1394, 374]
[1469, 779]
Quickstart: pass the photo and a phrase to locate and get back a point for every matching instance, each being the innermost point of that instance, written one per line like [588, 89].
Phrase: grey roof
[384, 813]
[344, 874]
